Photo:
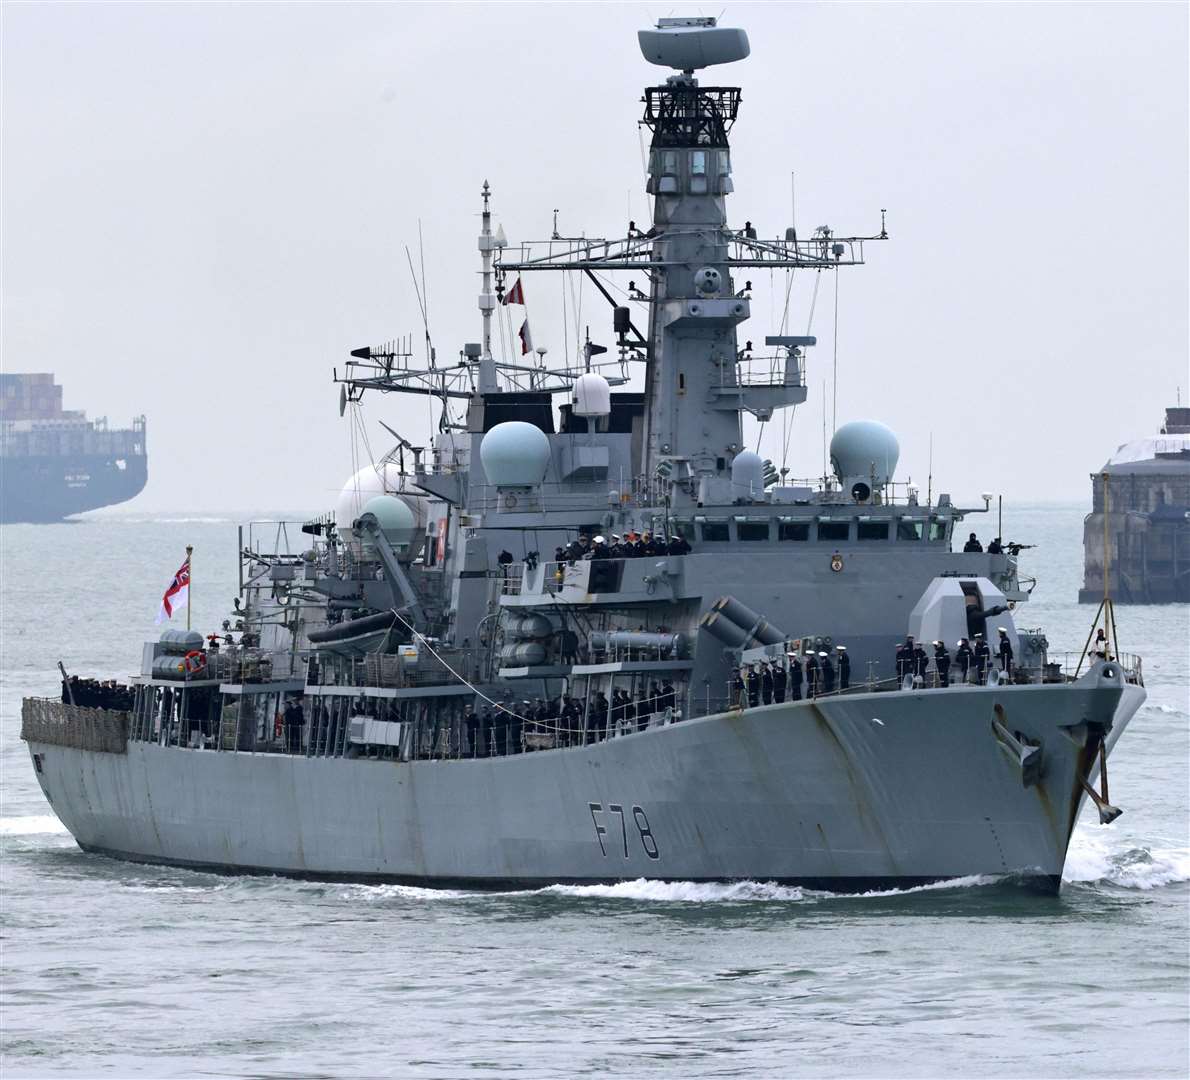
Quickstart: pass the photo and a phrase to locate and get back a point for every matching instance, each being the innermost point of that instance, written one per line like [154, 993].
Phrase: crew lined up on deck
[632, 545]
[913, 662]
[96, 694]
[563, 721]
[769, 682]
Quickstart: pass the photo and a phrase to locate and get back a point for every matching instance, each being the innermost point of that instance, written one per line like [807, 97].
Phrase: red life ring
[194, 661]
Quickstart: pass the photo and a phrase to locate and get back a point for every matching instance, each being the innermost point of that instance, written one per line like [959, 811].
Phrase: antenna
[930, 475]
[835, 362]
[425, 319]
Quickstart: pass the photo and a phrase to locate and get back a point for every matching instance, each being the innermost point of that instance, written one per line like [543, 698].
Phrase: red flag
[178, 594]
[516, 295]
[526, 339]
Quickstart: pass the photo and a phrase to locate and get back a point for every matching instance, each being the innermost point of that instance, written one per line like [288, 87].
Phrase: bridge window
[715, 532]
[938, 530]
[908, 529]
[793, 530]
[752, 530]
[834, 530]
[872, 530]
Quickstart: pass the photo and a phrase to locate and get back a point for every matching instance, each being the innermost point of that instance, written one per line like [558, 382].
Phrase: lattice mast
[695, 309]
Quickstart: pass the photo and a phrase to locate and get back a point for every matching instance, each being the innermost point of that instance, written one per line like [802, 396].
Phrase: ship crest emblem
[836, 562]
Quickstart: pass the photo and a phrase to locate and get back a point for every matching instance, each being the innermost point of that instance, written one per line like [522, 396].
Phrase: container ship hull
[47, 489]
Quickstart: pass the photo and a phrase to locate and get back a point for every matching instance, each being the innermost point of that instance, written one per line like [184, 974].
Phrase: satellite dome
[397, 520]
[369, 481]
[592, 395]
[863, 450]
[515, 454]
[747, 476]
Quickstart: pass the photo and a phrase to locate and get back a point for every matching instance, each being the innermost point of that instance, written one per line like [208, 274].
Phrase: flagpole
[190, 582]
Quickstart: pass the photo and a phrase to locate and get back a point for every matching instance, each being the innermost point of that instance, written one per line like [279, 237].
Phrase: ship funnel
[688, 44]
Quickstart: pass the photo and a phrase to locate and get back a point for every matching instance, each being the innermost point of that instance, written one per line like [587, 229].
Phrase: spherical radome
[397, 520]
[515, 454]
[369, 481]
[863, 448]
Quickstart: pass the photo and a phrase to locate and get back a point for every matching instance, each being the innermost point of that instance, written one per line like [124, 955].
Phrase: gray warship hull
[850, 793]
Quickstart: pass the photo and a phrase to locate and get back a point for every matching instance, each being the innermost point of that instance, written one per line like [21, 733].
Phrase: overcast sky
[206, 207]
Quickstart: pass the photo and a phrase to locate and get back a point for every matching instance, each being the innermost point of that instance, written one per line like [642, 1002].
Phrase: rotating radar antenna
[691, 43]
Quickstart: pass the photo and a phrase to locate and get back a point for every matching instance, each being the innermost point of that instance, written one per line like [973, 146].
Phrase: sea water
[116, 969]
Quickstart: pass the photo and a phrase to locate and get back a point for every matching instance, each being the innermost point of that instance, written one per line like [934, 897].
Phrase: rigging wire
[470, 686]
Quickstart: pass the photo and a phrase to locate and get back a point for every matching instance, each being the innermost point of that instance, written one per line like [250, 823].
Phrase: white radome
[515, 454]
[747, 476]
[592, 395]
[370, 481]
[864, 447]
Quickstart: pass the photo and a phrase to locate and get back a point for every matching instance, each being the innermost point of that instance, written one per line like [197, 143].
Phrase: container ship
[54, 462]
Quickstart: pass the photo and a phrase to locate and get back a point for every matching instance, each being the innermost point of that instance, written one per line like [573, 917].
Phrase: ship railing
[57, 723]
[774, 370]
[543, 497]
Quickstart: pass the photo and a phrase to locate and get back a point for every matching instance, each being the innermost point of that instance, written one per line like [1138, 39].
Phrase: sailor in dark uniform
[471, 727]
[828, 672]
[904, 660]
[739, 692]
[844, 667]
[766, 684]
[973, 544]
[597, 730]
[921, 663]
[995, 547]
[486, 747]
[811, 676]
[942, 663]
[1005, 653]
[780, 678]
[753, 680]
[963, 657]
[983, 656]
[515, 727]
[795, 677]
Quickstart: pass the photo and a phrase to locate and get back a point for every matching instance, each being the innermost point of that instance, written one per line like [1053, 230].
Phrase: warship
[54, 462]
[582, 634]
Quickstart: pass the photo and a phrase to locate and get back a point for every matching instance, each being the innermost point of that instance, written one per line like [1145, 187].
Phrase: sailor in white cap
[795, 677]
[942, 663]
[844, 667]
[983, 657]
[963, 657]
[828, 672]
[1005, 652]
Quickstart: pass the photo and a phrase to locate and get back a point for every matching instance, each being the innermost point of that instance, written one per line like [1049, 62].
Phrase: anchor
[1107, 812]
[1026, 756]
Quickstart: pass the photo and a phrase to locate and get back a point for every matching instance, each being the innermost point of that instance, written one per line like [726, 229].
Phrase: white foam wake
[35, 825]
[1092, 859]
[689, 892]
[1158, 707]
